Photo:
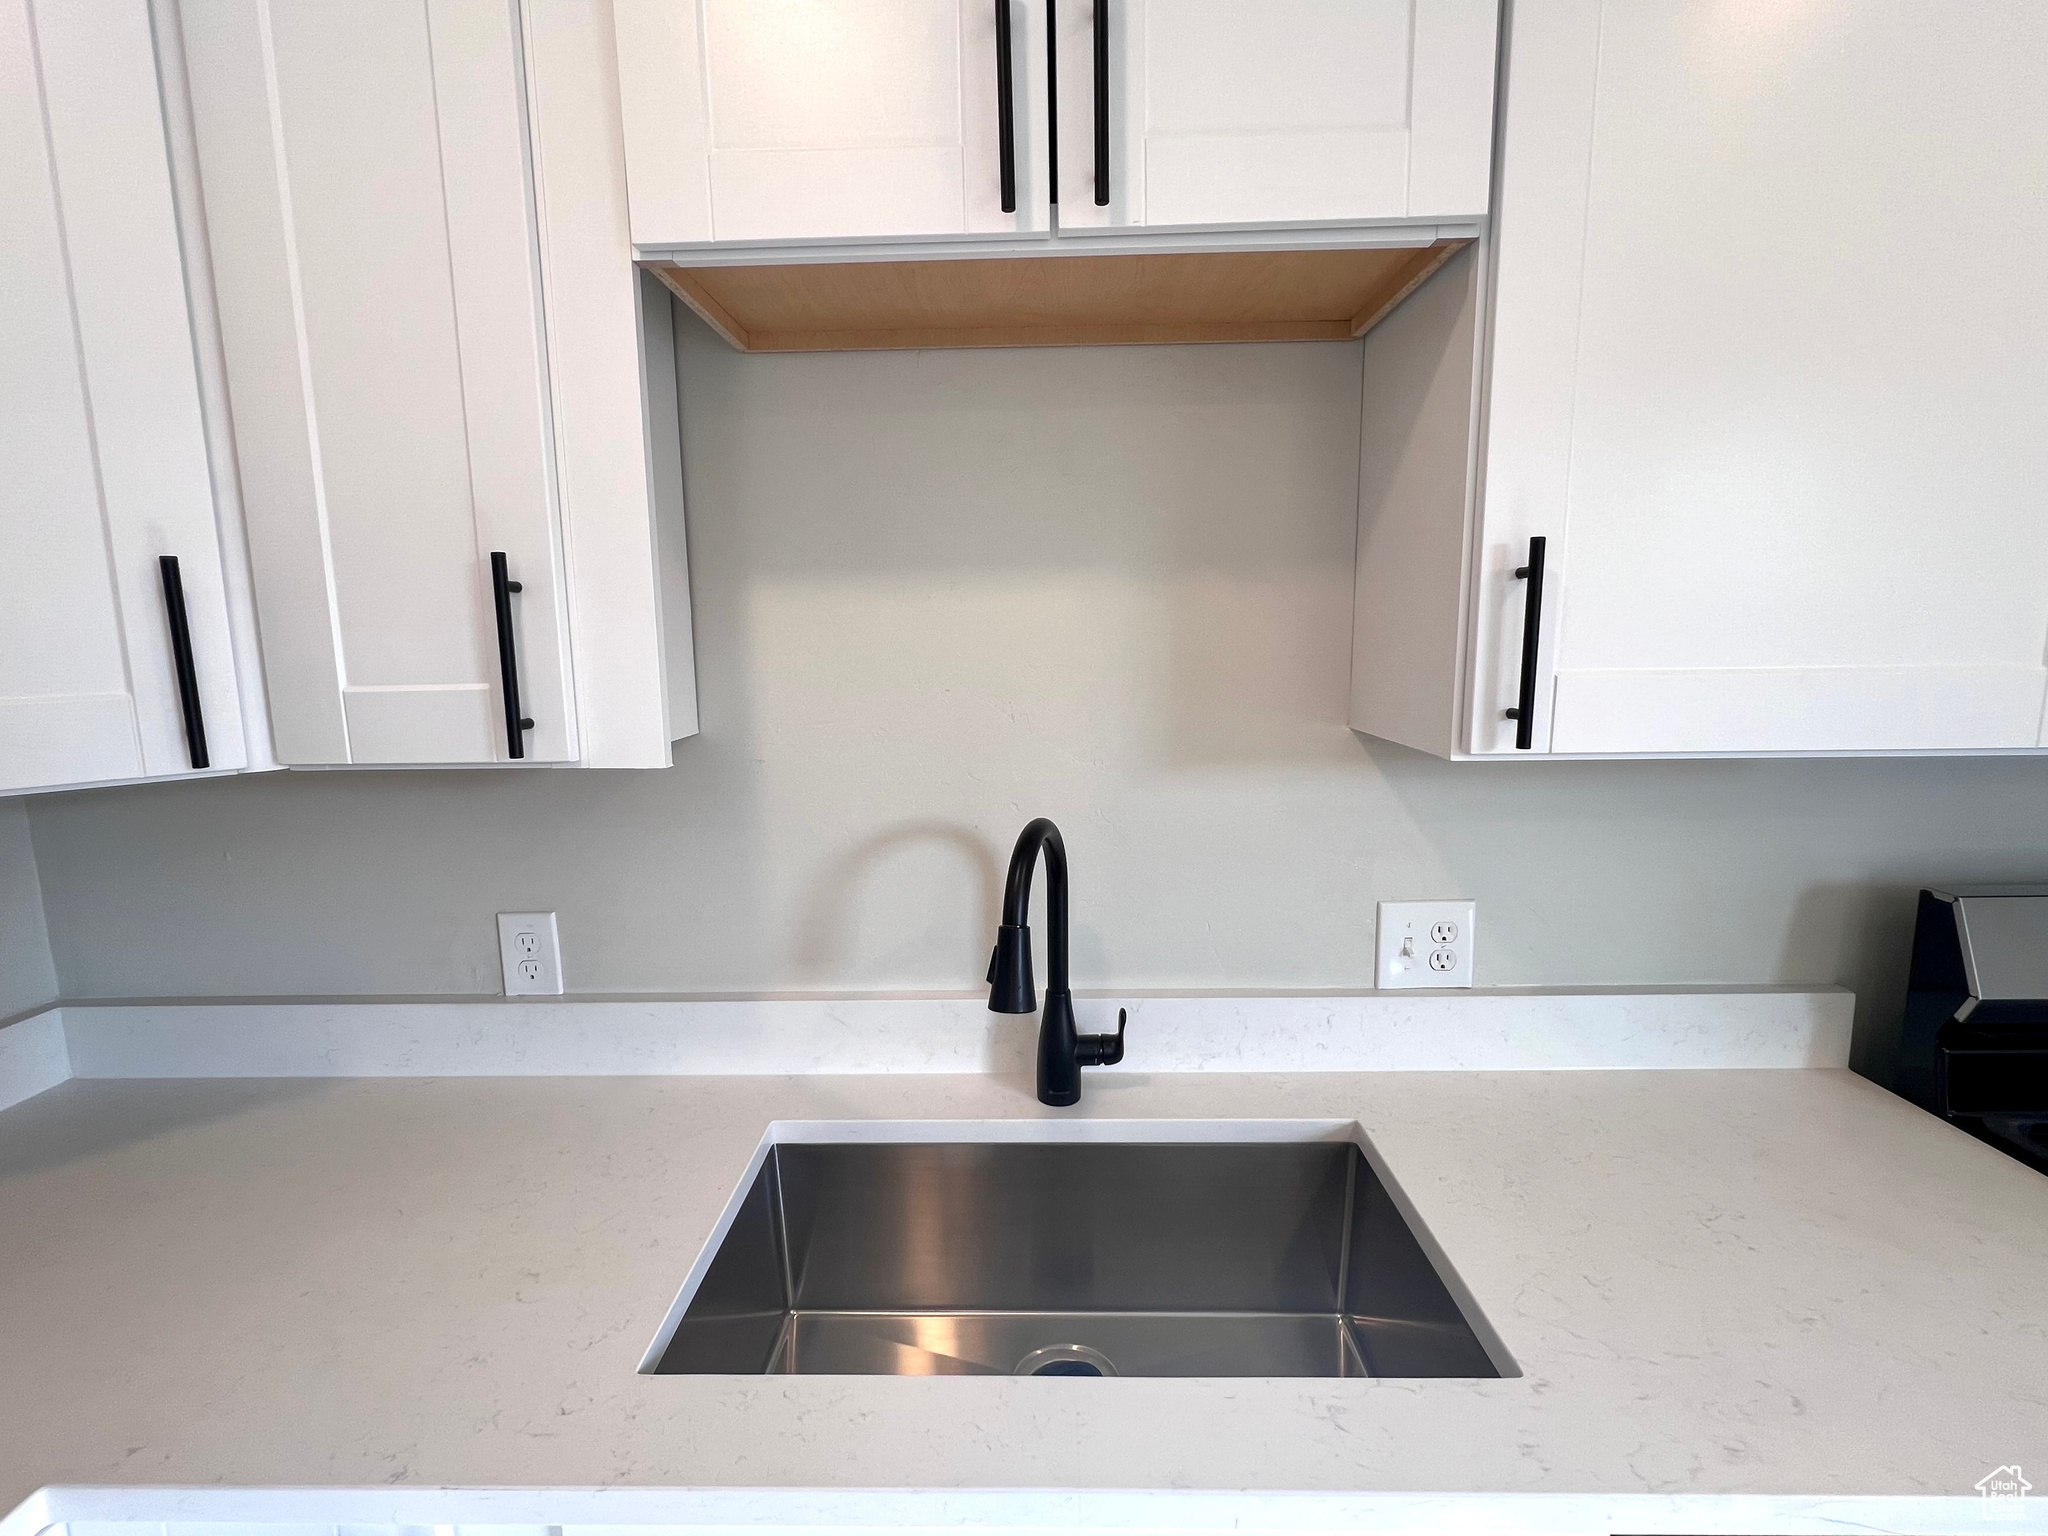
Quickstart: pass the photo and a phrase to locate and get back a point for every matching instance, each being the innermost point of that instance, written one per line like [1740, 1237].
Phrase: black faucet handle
[1101, 1050]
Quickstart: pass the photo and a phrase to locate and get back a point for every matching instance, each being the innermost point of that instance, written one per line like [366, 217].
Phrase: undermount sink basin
[1069, 1258]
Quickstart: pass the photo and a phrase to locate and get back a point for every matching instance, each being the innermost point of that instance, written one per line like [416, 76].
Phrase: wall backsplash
[937, 594]
[28, 979]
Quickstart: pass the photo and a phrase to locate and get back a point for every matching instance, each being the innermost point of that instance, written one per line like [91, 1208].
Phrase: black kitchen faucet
[1062, 1053]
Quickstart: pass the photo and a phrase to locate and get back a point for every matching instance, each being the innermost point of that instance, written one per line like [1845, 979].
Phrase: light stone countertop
[1781, 1283]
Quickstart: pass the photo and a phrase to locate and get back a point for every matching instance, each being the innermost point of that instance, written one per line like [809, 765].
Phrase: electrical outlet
[531, 952]
[1424, 944]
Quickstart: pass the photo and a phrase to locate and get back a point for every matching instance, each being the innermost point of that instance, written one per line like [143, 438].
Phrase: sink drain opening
[1065, 1360]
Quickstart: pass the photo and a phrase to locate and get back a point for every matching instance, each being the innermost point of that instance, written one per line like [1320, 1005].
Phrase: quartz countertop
[1778, 1283]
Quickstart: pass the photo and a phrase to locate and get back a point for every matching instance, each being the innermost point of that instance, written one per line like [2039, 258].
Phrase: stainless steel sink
[1070, 1258]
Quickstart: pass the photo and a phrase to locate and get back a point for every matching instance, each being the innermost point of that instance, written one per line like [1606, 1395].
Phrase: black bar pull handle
[1006, 111]
[1102, 103]
[502, 588]
[181, 660]
[1524, 712]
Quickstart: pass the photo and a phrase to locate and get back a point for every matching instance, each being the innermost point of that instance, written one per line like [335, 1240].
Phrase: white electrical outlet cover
[1424, 944]
[531, 953]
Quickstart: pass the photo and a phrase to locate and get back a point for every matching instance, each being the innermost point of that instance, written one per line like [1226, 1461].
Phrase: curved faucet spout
[1062, 1051]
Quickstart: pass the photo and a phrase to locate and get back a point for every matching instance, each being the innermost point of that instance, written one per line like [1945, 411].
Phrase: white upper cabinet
[885, 120]
[1176, 113]
[437, 402]
[101, 434]
[368, 184]
[1767, 335]
[834, 119]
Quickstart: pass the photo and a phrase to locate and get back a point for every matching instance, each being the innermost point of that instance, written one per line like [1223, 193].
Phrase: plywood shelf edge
[1160, 299]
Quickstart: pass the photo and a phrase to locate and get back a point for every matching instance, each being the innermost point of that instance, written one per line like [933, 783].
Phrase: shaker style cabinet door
[833, 120]
[1218, 112]
[369, 194]
[103, 467]
[1767, 376]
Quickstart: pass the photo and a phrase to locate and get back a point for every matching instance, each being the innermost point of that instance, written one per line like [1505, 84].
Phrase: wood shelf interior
[1055, 301]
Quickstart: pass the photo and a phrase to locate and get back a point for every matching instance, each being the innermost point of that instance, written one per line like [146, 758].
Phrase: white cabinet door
[369, 193]
[100, 428]
[1283, 112]
[1767, 374]
[832, 119]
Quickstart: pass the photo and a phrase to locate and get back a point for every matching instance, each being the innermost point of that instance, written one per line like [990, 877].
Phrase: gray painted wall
[938, 594]
[28, 978]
